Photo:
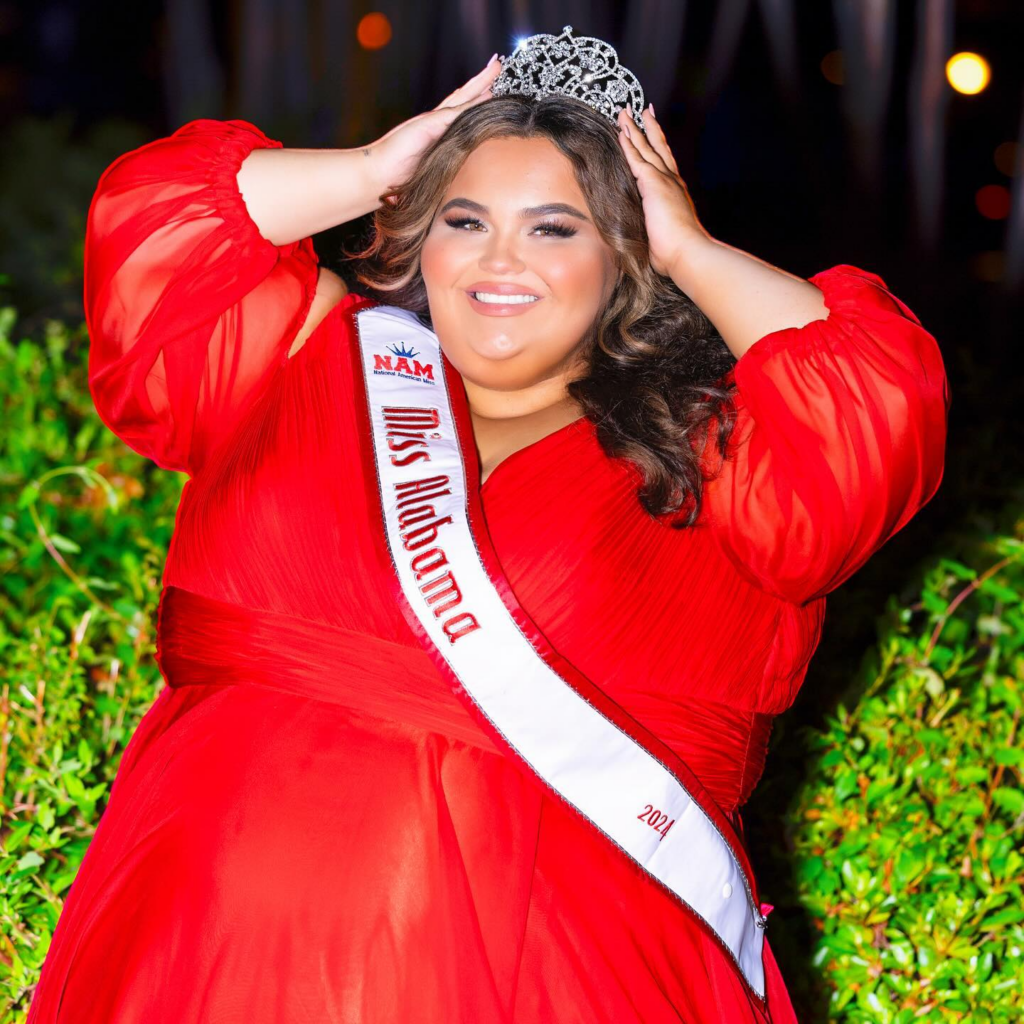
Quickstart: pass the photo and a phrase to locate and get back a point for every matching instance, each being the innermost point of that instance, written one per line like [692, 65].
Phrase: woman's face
[492, 234]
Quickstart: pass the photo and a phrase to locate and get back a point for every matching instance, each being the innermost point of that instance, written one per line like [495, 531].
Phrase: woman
[311, 823]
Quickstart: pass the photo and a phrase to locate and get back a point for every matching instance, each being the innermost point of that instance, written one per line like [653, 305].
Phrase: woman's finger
[449, 113]
[640, 142]
[481, 81]
[658, 140]
[634, 159]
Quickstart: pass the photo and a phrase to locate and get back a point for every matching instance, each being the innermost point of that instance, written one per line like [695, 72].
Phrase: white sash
[581, 745]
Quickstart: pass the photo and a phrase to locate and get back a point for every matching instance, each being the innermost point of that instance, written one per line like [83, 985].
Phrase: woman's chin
[484, 346]
[496, 345]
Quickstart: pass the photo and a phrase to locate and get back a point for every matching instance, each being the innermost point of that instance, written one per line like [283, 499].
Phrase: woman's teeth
[503, 299]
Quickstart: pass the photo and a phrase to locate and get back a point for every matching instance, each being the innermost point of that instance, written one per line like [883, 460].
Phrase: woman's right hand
[397, 153]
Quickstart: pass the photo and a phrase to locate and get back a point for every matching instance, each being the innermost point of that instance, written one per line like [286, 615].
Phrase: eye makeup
[556, 228]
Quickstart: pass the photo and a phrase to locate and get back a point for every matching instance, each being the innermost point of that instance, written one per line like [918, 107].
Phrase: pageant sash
[581, 745]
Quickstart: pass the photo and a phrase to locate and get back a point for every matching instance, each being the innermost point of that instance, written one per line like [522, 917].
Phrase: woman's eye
[458, 222]
[547, 230]
[562, 230]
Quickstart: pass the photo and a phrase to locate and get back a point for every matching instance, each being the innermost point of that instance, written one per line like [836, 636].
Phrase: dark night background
[798, 155]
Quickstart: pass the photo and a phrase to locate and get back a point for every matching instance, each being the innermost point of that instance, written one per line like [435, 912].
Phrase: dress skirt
[286, 841]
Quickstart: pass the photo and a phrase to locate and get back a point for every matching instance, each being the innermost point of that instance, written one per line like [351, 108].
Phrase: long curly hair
[655, 365]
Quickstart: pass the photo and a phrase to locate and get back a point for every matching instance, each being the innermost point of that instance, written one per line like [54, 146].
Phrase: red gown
[307, 825]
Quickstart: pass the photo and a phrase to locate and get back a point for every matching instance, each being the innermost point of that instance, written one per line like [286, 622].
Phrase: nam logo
[402, 362]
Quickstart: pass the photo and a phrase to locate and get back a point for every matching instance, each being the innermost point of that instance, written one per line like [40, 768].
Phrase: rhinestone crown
[582, 67]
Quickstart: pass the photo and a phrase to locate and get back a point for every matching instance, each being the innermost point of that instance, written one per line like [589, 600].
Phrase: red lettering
[400, 446]
[428, 561]
[658, 820]
[418, 537]
[468, 625]
[442, 589]
[414, 487]
[417, 514]
[409, 459]
[410, 417]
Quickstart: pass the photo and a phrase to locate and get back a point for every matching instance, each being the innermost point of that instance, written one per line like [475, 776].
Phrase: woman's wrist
[743, 296]
[686, 268]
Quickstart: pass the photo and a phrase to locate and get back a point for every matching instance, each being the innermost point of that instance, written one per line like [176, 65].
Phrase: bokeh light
[993, 201]
[832, 67]
[373, 31]
[968, 72]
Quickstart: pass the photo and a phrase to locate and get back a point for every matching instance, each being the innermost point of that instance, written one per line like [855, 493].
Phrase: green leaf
[62, 543]
[29, 496]
[1011, 800]
[1008, 756]
[30, 860]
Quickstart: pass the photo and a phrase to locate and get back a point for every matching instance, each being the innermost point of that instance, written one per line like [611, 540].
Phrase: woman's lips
[501, 308]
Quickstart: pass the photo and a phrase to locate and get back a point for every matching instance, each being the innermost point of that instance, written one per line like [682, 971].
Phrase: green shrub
[84, 526]
[907, 835]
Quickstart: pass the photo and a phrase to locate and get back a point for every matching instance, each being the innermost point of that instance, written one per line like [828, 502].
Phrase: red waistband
[205, 642]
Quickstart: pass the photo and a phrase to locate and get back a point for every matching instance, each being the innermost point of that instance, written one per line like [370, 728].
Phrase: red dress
[307, 825]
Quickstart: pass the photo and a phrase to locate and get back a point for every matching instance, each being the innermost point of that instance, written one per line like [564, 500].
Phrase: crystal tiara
[582, 67]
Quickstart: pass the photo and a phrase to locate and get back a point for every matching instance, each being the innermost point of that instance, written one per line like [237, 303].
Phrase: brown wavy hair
[654, 386]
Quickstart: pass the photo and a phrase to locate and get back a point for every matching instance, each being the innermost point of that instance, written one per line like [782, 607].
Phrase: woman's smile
[495, 304]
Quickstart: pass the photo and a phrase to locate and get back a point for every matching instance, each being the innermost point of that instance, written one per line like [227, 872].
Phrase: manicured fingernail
[491, 61]
[651, 105]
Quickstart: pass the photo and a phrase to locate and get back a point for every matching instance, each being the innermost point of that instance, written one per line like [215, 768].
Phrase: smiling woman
[460, 714]
[539, 199]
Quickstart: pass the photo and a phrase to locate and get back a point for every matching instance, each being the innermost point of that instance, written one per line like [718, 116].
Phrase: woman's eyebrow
[529, 211]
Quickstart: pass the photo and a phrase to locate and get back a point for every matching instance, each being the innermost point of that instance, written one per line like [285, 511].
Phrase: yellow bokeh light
[968, 72]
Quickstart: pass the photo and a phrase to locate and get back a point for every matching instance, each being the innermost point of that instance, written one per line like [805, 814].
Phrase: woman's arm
[189, 308]
[295, 193]
[839, 439]
[743, 296]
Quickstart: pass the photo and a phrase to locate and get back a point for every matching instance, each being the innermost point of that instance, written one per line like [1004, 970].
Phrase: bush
[907, 833]
[83, 536]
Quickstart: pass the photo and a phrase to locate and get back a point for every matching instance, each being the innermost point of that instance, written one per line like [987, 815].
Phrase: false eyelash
[562, 230]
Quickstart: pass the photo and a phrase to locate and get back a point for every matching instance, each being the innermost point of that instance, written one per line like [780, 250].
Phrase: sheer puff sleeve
[189, 308]
[839, 440]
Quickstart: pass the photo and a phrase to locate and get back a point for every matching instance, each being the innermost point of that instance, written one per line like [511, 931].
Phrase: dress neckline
[532, 447]
[354, 298]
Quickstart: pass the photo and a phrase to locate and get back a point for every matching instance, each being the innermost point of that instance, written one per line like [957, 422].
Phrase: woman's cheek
[577, 280]
[432, 261]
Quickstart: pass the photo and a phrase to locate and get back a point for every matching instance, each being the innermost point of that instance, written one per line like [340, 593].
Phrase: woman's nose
[501, 254]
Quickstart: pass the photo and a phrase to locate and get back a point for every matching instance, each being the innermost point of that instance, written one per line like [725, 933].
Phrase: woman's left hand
[671, 219]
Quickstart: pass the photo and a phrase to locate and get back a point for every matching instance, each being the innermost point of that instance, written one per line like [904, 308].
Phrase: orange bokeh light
[373, 31]
[832, 67]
